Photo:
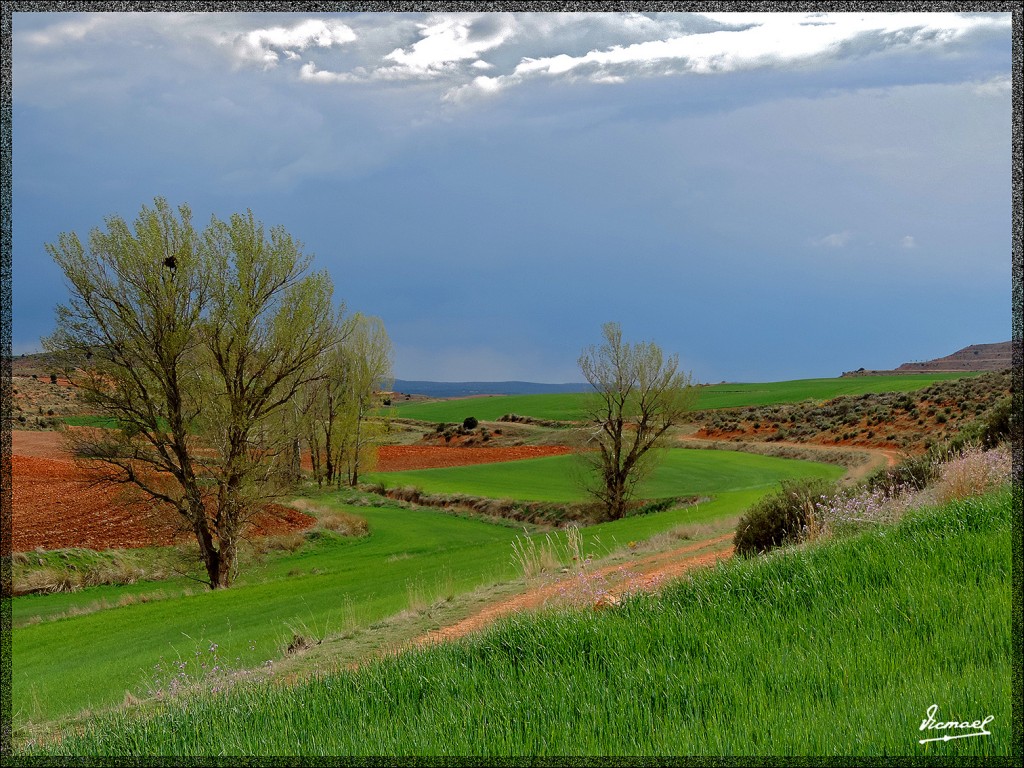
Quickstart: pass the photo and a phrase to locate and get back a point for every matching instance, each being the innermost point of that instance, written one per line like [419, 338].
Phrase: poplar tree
[638, 395]
[194, 343]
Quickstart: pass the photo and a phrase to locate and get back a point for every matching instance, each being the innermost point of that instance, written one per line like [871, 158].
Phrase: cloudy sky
[772, 196]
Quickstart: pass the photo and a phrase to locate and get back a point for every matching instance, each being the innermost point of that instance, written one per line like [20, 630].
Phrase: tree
[369, 353]
[195, 343]
[638, 395]
[341, 402]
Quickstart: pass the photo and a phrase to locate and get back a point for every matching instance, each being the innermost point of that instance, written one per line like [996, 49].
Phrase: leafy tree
[638, 395]
[324, 403]
[341, 402]
[370, 354]
[268, 323]
[195, 343]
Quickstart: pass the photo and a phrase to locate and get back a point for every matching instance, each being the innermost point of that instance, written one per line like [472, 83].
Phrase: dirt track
[643, 575]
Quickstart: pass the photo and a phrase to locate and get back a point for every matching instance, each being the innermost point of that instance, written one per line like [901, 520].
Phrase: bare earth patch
[394, 458]
[56, 503]
[645, 574]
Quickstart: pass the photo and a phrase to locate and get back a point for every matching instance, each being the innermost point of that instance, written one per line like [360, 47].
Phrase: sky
[770, 196]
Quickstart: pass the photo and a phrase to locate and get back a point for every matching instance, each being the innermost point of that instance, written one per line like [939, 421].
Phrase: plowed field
[56, 504]
[395, 458]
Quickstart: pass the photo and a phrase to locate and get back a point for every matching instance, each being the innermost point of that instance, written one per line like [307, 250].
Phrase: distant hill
[977, 357]
[443, 389]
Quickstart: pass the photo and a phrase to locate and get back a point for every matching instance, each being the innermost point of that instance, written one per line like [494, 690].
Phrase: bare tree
[194, 343]
[638, 395]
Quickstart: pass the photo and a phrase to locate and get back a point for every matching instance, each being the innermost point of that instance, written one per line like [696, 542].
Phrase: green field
[833, 649]
[330, 585]
[106, 422]
[569, 407]
[682, 472]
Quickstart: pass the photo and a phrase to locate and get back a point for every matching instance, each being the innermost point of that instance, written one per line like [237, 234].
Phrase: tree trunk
[226, 563]
[617, 496]
[207, 550]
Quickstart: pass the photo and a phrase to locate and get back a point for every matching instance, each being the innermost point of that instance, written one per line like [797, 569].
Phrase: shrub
[857, 506]
[914, 472]
[470, 422]
[998, 424]
[780, 518]
[973, 473]
[345, 524]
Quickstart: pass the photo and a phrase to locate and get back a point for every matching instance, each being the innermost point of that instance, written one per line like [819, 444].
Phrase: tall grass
[115, 647]
[831, 649]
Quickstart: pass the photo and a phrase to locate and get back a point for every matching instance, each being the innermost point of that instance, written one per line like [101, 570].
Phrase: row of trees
[217, 352]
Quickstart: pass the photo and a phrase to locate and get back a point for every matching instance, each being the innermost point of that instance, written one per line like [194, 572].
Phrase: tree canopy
[638, 395]
[195, 342]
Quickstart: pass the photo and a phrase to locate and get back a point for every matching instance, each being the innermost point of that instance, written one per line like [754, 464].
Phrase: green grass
[331, 585]
[569, 407]
[833, 649]
[554, 407]
[682, 472]
[105, 422]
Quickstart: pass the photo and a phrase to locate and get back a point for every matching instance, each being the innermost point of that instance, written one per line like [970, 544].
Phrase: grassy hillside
[330, 585]
[682, 472]
[833, 649]
[568, 407]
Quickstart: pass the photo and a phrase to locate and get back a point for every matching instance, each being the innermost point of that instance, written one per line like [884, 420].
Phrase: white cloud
[999, 87]
[446, 41]
[66, 32]
[773, 38]
[310, 73]
[908, 242]
[835, 240]
[756, 40]
[454, 49]
[265, 46]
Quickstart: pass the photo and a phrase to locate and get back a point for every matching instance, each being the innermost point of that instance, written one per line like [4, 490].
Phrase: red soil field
[395, 458]
[57, 504]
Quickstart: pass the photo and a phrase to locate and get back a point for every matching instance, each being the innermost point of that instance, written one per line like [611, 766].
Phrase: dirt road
[599, 588]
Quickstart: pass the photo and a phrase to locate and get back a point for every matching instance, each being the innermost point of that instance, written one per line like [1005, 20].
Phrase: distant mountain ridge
[472, 388]
[976, 357]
